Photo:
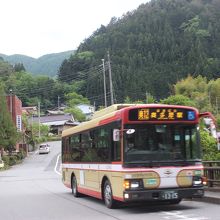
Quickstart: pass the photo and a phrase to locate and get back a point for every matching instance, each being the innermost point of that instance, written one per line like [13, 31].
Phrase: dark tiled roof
[53, 118]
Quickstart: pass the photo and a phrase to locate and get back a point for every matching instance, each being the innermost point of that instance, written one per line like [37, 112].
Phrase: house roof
[86, 109]
[54, 119]
[52, 112]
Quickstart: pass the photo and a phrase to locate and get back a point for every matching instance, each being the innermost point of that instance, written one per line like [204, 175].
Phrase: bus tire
[74, 187]
[107, 195]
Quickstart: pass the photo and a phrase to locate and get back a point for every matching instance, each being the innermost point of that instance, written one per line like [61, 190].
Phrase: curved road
[33, 190]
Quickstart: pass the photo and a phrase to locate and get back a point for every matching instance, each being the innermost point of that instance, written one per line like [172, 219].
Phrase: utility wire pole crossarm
[110, 79]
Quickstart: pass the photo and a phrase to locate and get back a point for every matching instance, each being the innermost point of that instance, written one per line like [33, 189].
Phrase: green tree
[77, 113]
[209, 146]
[192, 27]
[74, 99]
[8, 132]
[178, 100]
[5, 69]
[19, 67]
[195, 89]
[127, 100]
[214, 95]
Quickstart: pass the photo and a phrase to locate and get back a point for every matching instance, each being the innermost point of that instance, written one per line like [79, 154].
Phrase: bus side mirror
[116, 135]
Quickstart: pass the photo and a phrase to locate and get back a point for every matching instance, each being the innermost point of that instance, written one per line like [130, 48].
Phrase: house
[15, 108]
[87, 110]
[56, 122]
[14, 105]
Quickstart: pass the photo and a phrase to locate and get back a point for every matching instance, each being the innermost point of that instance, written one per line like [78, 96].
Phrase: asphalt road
[33, 191]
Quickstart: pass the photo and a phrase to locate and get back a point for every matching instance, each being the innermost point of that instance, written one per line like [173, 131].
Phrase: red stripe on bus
[96, 194]
[118, 198]
[67, 185]
[90, 192]
[89, 162]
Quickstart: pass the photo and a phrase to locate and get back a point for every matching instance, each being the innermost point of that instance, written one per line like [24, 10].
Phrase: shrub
[12, 160]
[209, 146]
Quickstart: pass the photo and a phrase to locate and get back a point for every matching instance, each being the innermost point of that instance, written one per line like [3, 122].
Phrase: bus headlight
[133, 184]
[204, 181]
[197, 181]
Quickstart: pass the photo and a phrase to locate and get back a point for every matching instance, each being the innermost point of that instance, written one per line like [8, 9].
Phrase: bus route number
[170, 195]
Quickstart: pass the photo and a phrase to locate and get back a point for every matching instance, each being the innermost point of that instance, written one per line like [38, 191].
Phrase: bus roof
[110, 109]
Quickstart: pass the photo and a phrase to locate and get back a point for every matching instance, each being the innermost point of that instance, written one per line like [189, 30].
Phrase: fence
[212, 172]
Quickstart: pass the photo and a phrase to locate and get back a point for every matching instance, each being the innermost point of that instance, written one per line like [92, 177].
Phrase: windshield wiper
[179, 162]
[154, 163]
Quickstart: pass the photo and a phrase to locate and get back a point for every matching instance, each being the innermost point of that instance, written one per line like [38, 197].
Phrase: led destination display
[162, 114]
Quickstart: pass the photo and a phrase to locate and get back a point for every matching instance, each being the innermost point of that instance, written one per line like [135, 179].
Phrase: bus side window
[92, 138]
[88, 148]
[103, 143]
[65, 149]
[74, 146]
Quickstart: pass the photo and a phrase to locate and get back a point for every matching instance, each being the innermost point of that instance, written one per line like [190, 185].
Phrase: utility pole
[103, 68]
[39, 119]
[11, 101]
[146, 97]
[58, 103]
[110, 79]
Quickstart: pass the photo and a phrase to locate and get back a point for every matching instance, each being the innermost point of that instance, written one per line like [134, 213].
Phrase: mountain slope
[151, 48]
[45, 65]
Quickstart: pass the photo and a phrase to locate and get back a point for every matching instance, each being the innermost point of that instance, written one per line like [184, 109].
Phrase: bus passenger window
[103, 141]
[74, 145]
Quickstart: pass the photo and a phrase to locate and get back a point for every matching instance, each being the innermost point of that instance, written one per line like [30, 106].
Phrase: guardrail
[212, 172]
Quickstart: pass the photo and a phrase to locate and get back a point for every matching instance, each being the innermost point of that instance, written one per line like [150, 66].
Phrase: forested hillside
[45, 65]
[151, 48]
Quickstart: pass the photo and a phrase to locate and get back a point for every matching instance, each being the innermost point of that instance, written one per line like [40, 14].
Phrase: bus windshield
[157, 145]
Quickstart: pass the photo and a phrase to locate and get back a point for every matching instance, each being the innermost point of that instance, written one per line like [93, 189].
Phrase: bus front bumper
[163, 194]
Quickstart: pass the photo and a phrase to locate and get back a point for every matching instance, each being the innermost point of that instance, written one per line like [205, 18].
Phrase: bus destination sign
[162, 114]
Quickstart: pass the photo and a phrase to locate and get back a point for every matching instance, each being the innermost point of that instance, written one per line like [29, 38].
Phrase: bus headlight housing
[204, 181]
[198, 181]
[133, 184]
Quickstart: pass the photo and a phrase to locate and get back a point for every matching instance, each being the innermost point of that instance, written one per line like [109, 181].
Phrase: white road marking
[56, 166]
[179, 215]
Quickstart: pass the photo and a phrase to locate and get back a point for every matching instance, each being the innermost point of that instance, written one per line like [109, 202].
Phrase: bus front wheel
[74, 187]
[107, 195]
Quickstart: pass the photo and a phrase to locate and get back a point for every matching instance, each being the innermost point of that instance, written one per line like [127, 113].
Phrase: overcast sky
[38, 27]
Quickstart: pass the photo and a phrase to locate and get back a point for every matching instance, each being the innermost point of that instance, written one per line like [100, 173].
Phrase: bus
[132, 153]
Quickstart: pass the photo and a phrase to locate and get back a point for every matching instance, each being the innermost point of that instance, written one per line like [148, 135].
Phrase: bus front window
[168, 144]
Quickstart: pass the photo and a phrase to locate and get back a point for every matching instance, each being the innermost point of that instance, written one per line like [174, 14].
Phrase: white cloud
[38, 27]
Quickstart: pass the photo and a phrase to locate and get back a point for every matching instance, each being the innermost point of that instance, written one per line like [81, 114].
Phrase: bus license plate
[170, 195]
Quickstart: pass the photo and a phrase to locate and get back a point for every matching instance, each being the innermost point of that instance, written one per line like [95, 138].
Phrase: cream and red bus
[132, 153]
